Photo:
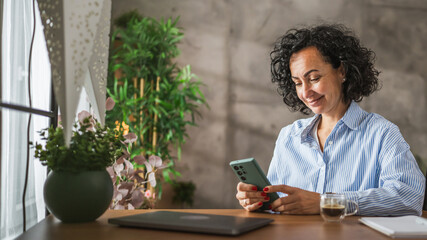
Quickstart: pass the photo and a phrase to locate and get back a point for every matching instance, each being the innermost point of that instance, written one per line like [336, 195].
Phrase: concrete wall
[227, 43]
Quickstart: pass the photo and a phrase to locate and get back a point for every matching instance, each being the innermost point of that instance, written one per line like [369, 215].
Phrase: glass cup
[333, 207]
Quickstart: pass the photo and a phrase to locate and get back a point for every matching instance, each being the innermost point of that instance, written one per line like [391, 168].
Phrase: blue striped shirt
[365, 157]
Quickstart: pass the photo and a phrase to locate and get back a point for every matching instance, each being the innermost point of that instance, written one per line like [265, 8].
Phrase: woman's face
[317, 83]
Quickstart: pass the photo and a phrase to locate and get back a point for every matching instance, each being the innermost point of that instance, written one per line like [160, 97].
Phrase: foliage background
[154, 97]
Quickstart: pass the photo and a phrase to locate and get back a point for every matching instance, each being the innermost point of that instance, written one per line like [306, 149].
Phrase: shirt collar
[352, 118]
[306, 132]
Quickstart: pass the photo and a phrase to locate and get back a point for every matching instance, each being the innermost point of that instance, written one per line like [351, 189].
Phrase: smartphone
[248, 171]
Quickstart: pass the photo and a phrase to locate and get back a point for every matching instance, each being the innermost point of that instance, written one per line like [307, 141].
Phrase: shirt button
[330, 142]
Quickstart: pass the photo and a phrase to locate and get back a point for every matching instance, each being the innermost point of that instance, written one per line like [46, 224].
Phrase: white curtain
[16, 39]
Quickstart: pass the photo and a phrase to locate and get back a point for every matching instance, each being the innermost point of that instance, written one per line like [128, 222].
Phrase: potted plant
[157, 99]
[78, 187]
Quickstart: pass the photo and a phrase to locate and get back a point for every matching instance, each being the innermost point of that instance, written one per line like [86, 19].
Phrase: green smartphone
[248, 171]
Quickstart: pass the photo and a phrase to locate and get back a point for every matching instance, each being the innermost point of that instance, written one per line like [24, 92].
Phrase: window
[16, 26]
[17, 30]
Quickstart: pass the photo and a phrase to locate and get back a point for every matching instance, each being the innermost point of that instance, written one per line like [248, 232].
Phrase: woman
[342, 149]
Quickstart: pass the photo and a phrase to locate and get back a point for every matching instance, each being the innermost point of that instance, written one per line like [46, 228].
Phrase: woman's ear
[342, 70]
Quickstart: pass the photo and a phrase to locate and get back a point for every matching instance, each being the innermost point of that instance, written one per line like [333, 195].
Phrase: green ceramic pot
[78, 197]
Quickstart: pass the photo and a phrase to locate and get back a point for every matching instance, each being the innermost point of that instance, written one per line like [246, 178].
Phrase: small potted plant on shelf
[78, 187]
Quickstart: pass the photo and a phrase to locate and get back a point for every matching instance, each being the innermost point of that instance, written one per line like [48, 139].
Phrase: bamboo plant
[155, 98]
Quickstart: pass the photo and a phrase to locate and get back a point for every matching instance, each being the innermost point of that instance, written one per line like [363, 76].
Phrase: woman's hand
[249, 197]
[298, 201]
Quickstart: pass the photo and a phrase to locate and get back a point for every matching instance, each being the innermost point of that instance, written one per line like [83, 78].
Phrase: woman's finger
[283, 201]
[253, 206]
[243, 195]
[280, 188]
[288, 208]
[299, 202]
[249, 201]
[246, 187]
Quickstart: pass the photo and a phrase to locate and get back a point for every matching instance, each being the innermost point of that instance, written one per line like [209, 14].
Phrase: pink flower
[148, 194]
[111, 172]
[130, 137]
[139, 159]
[137, 198]
[152, 179]
[118, 168]
[153, 163]
[119, 207]
[109, 104]
[83, 115]
[121, 159]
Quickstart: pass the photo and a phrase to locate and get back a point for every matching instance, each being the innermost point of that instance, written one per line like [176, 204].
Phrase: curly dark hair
[338, 45]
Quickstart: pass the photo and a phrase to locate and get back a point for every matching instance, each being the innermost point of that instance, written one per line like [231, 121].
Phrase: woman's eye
[315, 79]
[297, 83]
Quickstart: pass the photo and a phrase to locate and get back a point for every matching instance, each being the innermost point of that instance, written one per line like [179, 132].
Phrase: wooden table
[284, 227]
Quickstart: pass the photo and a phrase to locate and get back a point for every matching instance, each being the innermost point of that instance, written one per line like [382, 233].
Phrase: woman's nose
[306, 90]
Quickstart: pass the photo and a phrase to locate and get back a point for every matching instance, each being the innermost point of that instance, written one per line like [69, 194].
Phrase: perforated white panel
[98, 64]
[71, 28]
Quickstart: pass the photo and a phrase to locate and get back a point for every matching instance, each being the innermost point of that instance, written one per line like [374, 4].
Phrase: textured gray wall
[227, 43]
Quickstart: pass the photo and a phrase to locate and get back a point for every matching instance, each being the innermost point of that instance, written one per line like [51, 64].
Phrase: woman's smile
[315, 102]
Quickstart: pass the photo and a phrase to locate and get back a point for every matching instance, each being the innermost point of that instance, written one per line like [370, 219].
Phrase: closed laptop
[192, 222]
